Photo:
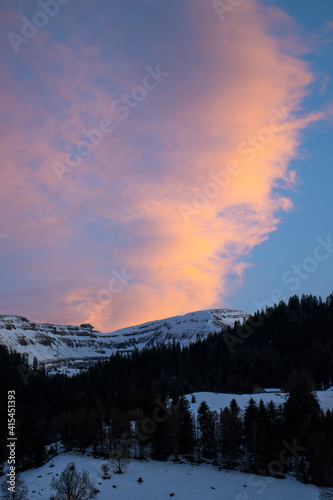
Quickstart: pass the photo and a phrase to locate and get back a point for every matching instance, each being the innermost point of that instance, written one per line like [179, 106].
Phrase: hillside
[79, 346]
[162, 479]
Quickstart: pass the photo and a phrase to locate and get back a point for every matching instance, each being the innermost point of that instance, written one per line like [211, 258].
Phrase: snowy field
[161, 479]
[216, 401]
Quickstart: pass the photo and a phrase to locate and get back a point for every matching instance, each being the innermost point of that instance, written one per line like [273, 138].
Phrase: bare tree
[19, 492]
[73, 486]
[105, 469]
[119, 459]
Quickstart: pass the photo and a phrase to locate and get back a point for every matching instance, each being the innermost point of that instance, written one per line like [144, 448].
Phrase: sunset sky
[161, 157]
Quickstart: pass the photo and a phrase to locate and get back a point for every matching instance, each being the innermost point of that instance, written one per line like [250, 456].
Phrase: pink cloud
[216, 107]
[324, 84]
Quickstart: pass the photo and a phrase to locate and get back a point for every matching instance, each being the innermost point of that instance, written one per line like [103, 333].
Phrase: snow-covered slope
[78, 346]
[162, 480]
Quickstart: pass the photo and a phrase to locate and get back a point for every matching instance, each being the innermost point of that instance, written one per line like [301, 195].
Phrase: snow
[216, 401]
[160, 479]
[271, 390]
[326, 399]
[70, 348]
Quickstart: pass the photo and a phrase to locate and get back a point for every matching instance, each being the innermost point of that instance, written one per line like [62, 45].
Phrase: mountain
[74, 347]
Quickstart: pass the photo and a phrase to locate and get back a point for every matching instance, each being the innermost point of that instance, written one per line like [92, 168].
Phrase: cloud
[324, 84]
[234, 94]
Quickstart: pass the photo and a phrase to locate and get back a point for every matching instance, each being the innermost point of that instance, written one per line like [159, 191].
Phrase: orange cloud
[233, 97]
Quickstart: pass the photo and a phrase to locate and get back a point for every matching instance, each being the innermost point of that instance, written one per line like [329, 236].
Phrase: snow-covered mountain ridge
[78, 346]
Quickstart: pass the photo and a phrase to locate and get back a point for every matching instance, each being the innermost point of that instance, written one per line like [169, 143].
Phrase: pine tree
[186, 444]
[251, 432]
[302, 410]
[263, 436]
[319, 453]
[230, 433]
[174, 428]
[207, 429]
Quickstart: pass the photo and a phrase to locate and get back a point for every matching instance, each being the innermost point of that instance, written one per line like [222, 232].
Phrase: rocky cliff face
[67, 347]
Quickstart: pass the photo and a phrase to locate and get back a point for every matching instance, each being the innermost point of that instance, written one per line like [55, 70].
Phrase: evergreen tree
[251, 433]
[264, 437]
[207, 430]
[230, 433]
[175, 428]
[319, 453]
[186, 443]
[302, 410]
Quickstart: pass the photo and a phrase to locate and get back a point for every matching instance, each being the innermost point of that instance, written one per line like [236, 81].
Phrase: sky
[163, 157]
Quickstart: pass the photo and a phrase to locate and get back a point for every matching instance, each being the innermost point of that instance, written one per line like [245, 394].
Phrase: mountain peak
[74, 347]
